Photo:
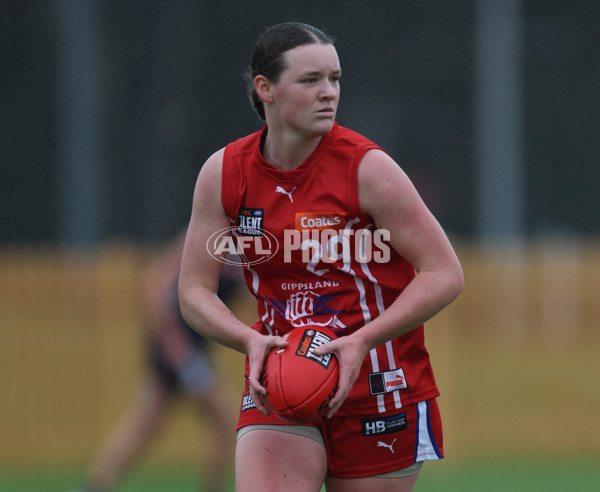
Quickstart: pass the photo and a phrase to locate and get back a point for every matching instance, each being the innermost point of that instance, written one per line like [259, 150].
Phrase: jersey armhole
[228, 183]
[354, 201]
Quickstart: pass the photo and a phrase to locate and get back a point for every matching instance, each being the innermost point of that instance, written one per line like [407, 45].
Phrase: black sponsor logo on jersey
[247, 402]
[310, 340]
[250, 221]
[383, 425]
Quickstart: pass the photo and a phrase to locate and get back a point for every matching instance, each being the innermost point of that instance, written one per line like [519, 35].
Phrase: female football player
[302, 173]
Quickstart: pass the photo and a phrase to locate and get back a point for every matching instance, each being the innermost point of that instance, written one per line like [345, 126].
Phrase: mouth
[328, 111]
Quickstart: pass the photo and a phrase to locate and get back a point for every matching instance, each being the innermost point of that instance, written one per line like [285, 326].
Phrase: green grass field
[471, 476]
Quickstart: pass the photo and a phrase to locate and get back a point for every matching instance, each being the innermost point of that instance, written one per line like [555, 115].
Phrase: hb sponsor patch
[383, 425]
[386, 382]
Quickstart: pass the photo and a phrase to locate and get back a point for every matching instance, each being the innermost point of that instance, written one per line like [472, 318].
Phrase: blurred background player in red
[179, 363]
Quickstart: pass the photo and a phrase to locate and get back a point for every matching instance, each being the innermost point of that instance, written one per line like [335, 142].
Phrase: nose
[330, 91]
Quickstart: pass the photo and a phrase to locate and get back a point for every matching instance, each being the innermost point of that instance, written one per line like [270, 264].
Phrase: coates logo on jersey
[309, 221]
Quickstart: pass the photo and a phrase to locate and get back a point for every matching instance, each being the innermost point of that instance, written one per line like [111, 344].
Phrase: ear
[264, 88]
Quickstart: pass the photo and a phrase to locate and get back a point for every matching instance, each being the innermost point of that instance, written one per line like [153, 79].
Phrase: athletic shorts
[369, 445]
[168, 376]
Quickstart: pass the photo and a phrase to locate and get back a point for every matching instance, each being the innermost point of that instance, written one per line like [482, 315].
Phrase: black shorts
[166, 373]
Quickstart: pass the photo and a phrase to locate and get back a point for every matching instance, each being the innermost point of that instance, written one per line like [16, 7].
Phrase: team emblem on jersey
[308, 308]
[250, 221]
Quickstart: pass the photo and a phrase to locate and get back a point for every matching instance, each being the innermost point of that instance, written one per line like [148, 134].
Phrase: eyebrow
[313, 73]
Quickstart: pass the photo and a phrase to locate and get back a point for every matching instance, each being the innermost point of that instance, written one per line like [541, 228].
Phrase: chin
[323, 127]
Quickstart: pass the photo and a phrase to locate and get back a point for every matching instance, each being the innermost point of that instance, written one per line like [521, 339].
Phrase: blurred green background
[492, 107]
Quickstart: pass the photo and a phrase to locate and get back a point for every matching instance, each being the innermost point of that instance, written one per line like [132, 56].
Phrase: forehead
[314, 57]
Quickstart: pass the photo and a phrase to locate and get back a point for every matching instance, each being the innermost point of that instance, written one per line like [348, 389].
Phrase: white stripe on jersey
[388, 345]
[373, 352]
[375, 364]
[392, 362]
[255, 280]
[427, 448]
[376, 287]
[362, 299]
[268, 318]
[268, 324]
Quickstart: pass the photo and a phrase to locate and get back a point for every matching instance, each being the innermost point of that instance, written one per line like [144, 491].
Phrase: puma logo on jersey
[279, 189]
[388, 381]
[382, 444]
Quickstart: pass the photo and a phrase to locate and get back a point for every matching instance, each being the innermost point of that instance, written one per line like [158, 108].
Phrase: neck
[287, 151]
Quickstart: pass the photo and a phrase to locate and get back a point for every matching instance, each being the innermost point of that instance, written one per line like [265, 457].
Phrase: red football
[299, 384]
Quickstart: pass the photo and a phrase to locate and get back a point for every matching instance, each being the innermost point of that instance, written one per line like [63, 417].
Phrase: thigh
[270, 460]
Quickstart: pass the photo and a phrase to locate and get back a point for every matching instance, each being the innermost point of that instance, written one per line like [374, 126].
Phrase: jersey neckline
[299, 172]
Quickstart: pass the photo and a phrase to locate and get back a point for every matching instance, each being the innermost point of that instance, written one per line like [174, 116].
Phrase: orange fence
[70, 351]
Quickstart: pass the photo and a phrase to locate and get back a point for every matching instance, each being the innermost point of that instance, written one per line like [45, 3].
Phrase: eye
[310, 80]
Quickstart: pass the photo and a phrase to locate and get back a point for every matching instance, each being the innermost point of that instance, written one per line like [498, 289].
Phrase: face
[307, 94]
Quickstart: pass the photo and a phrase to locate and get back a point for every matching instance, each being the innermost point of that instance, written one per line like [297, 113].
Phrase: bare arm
[199, 280]
[200, 272]
[387, 195]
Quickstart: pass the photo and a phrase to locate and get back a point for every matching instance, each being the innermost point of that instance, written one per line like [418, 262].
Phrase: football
[299, 384]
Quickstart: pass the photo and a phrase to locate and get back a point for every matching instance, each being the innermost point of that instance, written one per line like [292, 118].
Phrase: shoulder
[377, 165]
[381, 181]
[221, 159]
[245, 145]
[345, 139]
[242, 145]
[213, 166]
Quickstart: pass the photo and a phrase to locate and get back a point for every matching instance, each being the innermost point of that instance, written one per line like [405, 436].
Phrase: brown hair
[267, 57]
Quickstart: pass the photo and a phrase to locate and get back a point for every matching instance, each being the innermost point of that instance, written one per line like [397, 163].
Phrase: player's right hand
[258, 349]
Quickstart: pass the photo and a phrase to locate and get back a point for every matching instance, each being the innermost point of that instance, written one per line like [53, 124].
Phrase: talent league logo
[250, 221]
[231, 245]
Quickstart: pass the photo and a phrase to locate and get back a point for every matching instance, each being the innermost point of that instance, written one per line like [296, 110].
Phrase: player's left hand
[350, 355]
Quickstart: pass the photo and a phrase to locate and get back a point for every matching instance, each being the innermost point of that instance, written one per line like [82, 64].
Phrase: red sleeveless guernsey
[313, 257]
